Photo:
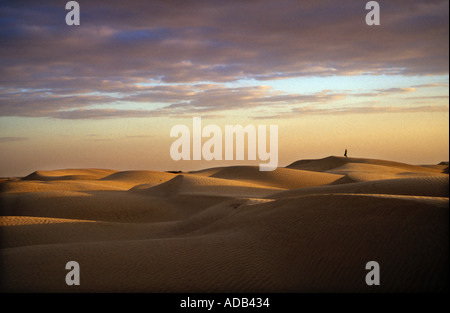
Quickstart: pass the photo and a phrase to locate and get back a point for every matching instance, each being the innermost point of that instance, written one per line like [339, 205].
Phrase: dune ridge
[69, 174]
[332, 162]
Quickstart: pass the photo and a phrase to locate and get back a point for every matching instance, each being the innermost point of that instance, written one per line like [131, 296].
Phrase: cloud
[386, 92]
[182, 100]
[178, 100]
[222, 41]
[431, 85]
[122, 51]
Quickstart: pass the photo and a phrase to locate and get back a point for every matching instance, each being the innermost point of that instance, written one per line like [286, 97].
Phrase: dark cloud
[121, 48]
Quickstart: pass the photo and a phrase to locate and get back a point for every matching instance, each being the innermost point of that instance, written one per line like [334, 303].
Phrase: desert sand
[309, 227]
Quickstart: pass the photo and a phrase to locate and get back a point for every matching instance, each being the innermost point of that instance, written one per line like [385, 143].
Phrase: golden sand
[311, 226]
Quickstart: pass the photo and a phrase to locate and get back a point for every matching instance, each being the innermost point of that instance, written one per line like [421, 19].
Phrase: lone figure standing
[345, 153]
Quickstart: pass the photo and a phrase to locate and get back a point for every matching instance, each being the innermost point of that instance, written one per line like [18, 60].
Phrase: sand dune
[58, 185]
[443, 167]
[309, 227]
[140, 177]
[85, 180]
[202, 185]
[301, 243]
[69, 174]
[116, 206]
[368, 172]
[279, 178]
[430, 186]
[333, 162]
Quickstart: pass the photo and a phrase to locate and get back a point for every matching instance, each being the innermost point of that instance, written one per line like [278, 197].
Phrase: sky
[106, 93]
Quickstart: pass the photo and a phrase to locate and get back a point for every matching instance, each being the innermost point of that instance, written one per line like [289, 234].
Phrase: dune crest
[332, 162]
[69, 174]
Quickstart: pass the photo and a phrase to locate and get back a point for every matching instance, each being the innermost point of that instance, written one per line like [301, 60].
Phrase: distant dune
[69, 174]
[333, 162]
[309, 227]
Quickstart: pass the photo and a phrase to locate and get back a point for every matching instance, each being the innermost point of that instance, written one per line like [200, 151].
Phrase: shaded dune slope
[431, 186]
[310, 243]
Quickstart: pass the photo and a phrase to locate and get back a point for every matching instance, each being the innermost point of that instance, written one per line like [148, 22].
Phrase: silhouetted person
[345, 153]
